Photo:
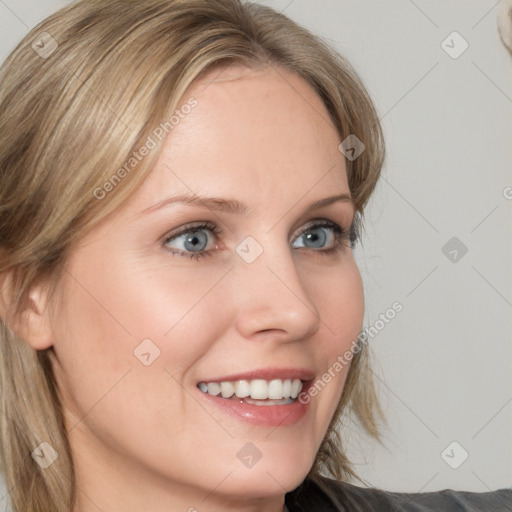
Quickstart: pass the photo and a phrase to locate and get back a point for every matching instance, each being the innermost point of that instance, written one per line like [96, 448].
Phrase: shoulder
[326, 495]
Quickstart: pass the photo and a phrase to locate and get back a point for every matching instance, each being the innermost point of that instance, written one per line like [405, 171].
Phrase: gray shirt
[319, 494]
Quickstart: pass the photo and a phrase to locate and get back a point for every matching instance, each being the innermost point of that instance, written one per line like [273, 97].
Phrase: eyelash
[341, 236]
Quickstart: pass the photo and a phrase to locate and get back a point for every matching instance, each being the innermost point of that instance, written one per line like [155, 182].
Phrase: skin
[140, 436]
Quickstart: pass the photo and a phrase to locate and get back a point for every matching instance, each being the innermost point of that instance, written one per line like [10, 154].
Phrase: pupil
[316, 238]
[194, 242]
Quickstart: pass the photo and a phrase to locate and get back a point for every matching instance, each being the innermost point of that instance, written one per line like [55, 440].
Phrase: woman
[182, 186]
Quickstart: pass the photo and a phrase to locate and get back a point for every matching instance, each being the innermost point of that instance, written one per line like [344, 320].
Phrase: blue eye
[318, 236]
[193, 241]
[323, 237]
[326, 237]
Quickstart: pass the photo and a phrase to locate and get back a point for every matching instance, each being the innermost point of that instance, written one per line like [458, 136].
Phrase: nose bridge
[271, 295]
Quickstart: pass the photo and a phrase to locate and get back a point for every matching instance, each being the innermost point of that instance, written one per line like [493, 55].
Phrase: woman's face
[167, 299]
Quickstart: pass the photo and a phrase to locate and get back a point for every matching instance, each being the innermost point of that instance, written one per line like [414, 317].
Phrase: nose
[271, 298]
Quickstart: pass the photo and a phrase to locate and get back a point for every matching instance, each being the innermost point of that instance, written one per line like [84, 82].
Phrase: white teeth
[296, 387]
[259, 389]
[213, 388]
[256, 389]
[242, 388]
[275, 389]
[287, 388]
[227, 389]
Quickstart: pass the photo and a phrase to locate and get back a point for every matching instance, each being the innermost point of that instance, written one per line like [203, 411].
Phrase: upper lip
[303, 374]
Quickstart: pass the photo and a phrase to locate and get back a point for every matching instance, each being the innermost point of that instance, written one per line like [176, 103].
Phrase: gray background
[443, 363]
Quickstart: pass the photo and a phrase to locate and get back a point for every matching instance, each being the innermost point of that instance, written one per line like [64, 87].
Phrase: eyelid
[311, 223]
[191, 226]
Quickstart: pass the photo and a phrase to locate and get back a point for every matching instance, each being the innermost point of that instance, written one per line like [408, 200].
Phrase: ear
[32, 324]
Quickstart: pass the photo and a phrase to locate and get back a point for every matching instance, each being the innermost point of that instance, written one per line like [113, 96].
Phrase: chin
[276, 471]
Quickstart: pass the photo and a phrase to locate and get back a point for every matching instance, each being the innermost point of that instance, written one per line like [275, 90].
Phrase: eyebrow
[233, 206]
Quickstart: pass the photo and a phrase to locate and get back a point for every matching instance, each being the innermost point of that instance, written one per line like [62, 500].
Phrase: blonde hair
[80, 93]
[504, 20]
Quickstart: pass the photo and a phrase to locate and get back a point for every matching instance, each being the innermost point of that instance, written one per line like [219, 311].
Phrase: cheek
[114, 316]
[124, 302]
[106, 389]
[339, 299]
[337, 293]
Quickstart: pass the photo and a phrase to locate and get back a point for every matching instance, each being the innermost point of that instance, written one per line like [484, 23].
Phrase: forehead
[253, 132]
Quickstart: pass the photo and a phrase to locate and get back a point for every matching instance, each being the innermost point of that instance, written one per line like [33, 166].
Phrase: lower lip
[262, 415]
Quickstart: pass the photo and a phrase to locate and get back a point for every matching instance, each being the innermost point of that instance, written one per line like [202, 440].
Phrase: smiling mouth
[255, 391]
